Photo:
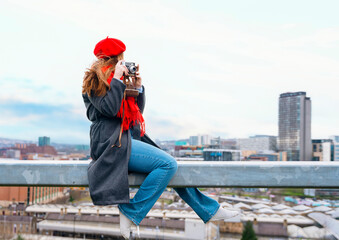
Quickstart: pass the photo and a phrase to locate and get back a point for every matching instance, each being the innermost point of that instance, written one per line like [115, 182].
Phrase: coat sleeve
[141, 100]
[110, 103]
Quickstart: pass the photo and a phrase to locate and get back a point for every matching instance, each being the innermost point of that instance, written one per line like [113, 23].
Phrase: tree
[19, 237]
[248, 232]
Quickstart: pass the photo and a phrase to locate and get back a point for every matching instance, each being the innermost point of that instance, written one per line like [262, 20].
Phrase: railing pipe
[189, 174]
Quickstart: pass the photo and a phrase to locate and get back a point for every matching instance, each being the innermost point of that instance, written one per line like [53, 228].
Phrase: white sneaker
[125, 225]
[226, 214]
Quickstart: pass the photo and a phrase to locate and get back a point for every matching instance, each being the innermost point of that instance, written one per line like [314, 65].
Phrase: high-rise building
[295, 126]
[44, 141]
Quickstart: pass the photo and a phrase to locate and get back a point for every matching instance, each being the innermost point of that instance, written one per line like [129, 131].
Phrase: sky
[208, 67]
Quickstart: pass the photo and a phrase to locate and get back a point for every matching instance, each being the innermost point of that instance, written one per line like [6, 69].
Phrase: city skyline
[216, 69]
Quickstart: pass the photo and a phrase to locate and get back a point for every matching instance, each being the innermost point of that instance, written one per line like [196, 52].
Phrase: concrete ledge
[189, 174]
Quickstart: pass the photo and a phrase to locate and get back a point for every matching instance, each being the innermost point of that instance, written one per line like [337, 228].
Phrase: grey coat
[108, 171]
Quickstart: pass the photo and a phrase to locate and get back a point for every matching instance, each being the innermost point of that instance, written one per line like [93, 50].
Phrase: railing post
[28, 195]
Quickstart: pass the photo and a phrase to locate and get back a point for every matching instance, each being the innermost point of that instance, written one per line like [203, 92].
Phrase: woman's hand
[120, 70]
[137, 79]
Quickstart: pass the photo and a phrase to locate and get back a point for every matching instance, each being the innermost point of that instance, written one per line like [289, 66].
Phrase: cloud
[10, 120]
[204, 71]
[24, 120]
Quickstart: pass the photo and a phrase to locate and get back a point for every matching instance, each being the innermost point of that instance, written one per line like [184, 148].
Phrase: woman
[120, 145]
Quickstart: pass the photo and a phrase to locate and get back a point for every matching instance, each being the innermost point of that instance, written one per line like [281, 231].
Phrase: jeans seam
[164, 161]
[136, 214]
[140, 210]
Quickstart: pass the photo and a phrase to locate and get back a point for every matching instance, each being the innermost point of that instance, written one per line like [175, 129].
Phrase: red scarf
[132, 114]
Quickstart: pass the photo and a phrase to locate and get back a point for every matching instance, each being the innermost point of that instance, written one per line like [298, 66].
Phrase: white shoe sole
[236, 218]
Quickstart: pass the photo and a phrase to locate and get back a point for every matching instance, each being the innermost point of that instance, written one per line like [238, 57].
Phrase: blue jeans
[160, 167]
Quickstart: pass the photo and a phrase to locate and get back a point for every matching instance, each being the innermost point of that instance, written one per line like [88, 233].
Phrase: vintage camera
[132, 68]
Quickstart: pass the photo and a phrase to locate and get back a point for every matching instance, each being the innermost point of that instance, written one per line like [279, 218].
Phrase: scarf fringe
[132, 115]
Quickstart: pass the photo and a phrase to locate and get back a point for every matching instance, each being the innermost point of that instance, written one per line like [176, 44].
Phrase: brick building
[39, 194]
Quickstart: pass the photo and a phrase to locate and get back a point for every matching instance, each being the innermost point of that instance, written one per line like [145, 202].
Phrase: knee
[172, 165]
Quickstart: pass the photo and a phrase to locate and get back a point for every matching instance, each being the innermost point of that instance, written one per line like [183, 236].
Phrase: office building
[194, 141]
[210, 154]
[258, 143]
[295, 126]
[44, 141]
[200, 140]
[205, 139]
[322, 150]
[81, 147]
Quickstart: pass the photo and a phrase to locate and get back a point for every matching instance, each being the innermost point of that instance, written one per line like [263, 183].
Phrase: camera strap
[122, 122]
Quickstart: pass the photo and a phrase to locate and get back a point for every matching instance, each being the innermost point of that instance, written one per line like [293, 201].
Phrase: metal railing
[189, 174]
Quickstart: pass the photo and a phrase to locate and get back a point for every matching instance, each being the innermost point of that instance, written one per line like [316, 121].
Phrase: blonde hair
[95, 79]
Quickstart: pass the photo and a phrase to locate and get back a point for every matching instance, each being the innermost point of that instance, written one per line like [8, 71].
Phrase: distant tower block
[44, 141]
[295, 126]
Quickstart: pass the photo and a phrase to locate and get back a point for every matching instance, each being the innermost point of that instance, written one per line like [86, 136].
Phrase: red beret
[109, 47]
